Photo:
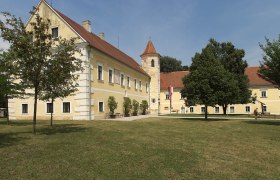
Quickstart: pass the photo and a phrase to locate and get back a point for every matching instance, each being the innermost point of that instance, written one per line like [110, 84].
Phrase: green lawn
[145, 149]
[225, 116]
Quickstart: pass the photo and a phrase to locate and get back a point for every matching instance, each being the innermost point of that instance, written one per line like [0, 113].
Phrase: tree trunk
[35, 110]
[206, 112]
[52, 114]
[225, 109]
[7, 106]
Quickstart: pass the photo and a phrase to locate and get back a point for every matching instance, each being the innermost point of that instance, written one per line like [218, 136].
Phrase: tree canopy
[170, 64]
[270, 65]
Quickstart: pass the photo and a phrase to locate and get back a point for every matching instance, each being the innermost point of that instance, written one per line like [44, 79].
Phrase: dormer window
[153, 63]
[55, 32]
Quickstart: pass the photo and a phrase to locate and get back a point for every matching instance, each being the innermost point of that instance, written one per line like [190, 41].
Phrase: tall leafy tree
[9, 87]
[34, 50]
[207, 80]
[170, 64]
[232, 60]
[60, 79]
[270, 65]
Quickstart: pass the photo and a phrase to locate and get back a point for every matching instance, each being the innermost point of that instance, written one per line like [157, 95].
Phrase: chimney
[87, 25]
[101, 35]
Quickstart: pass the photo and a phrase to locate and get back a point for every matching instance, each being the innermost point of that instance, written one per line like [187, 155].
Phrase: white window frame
[102, 72]
[69, 108]
[153, 100]
[147, 88]
[22, 108]
[102, 107]
[128, 81]
[202, 109]
[265, 92]
[231, 108]
[135, 83]
[122, 80]
[140, 85]
[246, 109]
[264, 107]
[55, 27]
[111, 69]
[47, 107]
[217, 108]
[191, 109]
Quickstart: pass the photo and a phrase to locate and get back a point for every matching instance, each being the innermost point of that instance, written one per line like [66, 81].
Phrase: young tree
[112, 104]
[60, 79]
[270, 66]
[144, 106]
[135, 105]
[207, 81]
[127, 106]
[9, 88]
[34, 51]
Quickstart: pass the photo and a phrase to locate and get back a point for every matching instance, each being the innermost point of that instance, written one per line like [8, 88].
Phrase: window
[100, 72]
[147, 88]
[191, 109]
[24, 108]
[55, 32]
[66, 107]
[202, 109]
[101, 106]
[128, 81]
[122, 79]
[263, 93]
[153, 100]
[140, 85]
[110, 75]
[49, 107]
[167, 96]
[117, 76]
[217, 109]
[153, 63]
[135, 83]
[264, 108]
[231, 109]
[248, 109]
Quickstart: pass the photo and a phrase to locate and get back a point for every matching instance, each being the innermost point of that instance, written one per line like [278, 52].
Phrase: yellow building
[108, 72]
[266, 94]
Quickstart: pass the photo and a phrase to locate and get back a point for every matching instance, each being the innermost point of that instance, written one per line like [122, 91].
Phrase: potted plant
[112, 104]
[144, 106]
[135, 105]
[127, 106]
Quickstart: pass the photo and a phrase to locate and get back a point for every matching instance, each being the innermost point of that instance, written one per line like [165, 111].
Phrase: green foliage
[135, 105]
[144, 106]
[127, 105]
[44, 64]
[112, 104]
[170, 64]
[270, 66]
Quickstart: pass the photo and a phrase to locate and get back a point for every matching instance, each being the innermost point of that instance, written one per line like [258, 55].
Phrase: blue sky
[178, 28]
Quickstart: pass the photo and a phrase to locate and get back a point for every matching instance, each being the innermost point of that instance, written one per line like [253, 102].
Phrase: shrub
[135, 105]
[144, 106]
[112, 104]
[127, 106]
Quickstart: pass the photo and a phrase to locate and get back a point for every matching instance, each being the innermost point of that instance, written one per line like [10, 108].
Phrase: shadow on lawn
[264, 122]
[61, 128]
[9, 139]
[203, 119]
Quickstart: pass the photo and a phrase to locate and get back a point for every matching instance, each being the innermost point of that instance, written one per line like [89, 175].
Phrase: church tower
[151, 64]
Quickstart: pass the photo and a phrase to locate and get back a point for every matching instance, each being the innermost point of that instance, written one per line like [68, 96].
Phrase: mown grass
[228, 116]
[145, 149]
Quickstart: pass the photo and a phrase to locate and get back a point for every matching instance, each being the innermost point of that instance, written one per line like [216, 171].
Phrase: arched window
[152, 63]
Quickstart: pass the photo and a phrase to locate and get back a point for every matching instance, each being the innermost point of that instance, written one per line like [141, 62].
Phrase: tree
[232, 60]
[207, 80]
[270, 65]
[112, 104]
[62, 62]
[34, 50]
[144, 106]
[127, 106]
[170, 64]
[9, 88]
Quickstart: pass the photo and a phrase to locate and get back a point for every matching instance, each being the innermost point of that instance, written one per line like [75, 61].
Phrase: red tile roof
[254, 79]
[150, 49]
[173, 78]
[102, 45]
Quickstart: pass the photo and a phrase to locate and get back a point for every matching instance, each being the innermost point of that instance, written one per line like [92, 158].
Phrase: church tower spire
[151, 64]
